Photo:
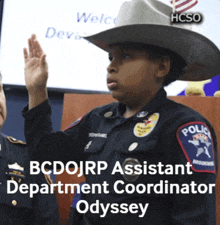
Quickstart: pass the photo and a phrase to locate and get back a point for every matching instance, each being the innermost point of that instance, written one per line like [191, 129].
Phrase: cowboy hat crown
[148, 22]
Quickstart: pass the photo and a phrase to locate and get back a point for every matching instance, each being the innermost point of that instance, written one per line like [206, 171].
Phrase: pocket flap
[95, 145]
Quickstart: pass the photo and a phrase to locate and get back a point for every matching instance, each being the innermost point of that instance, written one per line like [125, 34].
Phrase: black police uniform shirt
[162, 132]
[18, 208]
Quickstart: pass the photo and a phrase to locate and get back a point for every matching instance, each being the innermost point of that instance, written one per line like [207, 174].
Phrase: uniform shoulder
[180, 110]
[177, 116]
[16, 150]
[15, 141]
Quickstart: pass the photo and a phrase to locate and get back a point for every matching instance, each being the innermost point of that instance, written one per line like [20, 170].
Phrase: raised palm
[36, 69]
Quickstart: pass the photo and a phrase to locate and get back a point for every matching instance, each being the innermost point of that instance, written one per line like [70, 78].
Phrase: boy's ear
[164, 67]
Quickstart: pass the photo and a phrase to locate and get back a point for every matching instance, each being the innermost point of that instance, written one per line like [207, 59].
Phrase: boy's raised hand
[36, 72]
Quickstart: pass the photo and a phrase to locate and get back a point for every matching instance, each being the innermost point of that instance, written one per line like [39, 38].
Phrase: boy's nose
[112, 68]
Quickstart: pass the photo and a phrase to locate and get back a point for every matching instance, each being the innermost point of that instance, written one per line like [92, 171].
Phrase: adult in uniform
[17, 208]
[144, 138]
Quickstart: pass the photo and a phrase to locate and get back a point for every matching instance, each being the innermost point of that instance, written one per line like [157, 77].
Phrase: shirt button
[14, 202]
[142, 114]
[108, 114]
[133, 146]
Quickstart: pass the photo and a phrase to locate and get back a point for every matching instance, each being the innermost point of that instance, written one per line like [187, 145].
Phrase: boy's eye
[126, 56]
[110, 58]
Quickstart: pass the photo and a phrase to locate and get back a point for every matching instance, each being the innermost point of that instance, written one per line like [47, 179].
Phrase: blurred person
[19, 208]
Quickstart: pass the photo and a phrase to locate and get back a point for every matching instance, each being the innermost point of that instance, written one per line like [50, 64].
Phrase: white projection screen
[75, 64]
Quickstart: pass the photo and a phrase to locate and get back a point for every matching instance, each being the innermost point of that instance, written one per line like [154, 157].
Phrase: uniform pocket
[16, 200]
[138, 147]
[95, 146]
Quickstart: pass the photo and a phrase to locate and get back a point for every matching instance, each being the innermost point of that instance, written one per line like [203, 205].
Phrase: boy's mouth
[112, 84]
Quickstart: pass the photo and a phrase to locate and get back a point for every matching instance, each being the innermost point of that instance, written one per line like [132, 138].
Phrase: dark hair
[155, 53]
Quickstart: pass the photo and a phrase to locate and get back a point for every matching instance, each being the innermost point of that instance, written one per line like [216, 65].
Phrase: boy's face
[131, 75]
[3, 111]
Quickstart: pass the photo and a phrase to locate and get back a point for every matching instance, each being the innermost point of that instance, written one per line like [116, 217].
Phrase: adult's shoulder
[15, 141]
[13, 144]
[14, 151]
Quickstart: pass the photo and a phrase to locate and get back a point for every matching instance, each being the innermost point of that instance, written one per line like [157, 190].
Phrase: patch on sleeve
[74, 123]
[196, 142]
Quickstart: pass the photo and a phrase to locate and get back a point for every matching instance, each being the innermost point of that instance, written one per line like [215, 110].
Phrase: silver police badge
[16, 172]
[130, 163]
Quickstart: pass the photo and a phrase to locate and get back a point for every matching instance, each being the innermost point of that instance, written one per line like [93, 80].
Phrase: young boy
[148, 142]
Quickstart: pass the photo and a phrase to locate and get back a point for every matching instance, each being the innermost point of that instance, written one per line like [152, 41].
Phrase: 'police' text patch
[196, 142]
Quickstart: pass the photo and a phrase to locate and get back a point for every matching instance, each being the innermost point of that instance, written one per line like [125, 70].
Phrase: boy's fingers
[30, 45]
[33, 36]
[39, 51]
[26, 58]
[43, 60]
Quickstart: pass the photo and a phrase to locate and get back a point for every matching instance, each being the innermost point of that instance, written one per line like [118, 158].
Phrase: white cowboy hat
[148, 22]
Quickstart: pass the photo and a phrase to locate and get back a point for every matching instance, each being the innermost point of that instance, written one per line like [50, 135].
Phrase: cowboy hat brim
[201, 54]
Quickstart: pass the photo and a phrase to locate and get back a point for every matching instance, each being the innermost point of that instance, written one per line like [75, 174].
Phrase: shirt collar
[152, 106]
[118, 109]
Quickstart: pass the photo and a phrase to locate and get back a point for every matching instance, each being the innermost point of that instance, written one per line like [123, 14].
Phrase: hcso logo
[186, 18]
